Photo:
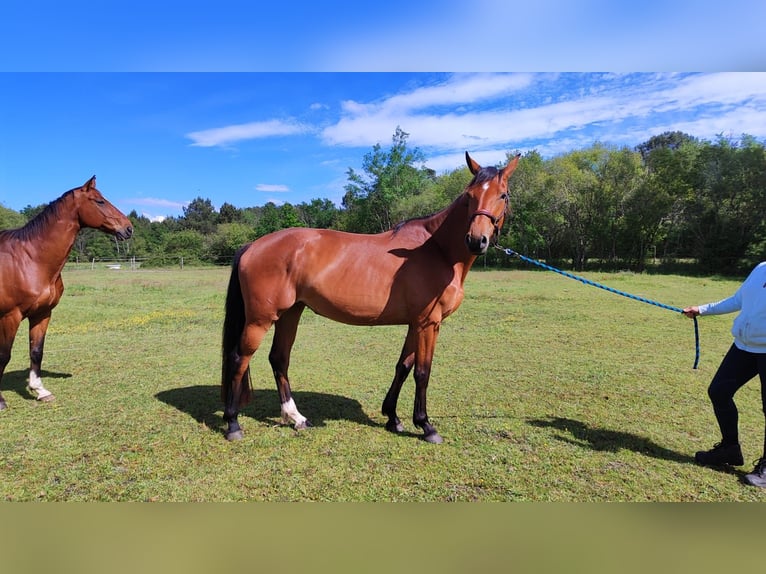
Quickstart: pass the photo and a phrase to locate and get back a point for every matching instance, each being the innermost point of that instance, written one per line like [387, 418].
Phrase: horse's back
[344, 276]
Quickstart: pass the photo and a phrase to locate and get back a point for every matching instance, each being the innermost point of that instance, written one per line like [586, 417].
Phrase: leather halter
[492, 218]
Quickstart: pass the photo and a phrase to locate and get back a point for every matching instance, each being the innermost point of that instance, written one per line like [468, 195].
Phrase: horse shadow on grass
[203, 403]
[600, 439]
[16, 382]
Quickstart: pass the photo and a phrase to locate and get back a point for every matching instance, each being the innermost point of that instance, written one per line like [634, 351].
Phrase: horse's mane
[39, 222]
[396, 228]
[484, 174]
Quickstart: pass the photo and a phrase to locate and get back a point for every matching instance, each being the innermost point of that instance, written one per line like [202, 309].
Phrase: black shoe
[721, 454]
[758, 476]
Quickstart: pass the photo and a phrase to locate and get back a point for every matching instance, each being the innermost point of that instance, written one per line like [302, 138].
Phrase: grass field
[543, 388]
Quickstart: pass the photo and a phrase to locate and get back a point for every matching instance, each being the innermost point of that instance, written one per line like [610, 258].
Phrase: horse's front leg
[9, 324]
[38, 326]
[423, 359]
[403, 368]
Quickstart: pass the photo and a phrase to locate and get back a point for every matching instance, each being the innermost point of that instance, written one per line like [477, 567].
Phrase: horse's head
[95, 211]
[488, 203]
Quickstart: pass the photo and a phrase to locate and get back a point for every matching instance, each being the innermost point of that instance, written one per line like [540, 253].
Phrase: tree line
[674, 201]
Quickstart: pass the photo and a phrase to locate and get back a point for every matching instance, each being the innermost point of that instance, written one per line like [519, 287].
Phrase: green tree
[318, 213]
[229, 237]
[725, 212]
[288, 216]
[575, 177]
[655, 211]
[200, 216]
[269, 220]
[186, 244]
[10, 219]
[389, 176]
[229, 214]
[537, 223]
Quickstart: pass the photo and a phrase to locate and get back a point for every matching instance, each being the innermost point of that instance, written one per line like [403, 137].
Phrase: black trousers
[736, 369]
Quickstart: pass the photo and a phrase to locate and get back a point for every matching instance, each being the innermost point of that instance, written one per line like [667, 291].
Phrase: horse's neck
[448, 229]
[54, 237]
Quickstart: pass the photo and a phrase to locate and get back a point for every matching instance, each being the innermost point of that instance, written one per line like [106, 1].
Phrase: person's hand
[691, 312]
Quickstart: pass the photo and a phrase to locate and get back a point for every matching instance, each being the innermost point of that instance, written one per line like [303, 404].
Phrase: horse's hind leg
[285, 330]
[237, 369]
[403, 368]
[38, 326]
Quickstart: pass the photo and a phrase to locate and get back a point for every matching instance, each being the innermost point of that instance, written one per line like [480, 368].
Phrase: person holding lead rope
[745, 359]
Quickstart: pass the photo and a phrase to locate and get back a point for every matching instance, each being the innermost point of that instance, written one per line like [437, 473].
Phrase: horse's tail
[233, 325]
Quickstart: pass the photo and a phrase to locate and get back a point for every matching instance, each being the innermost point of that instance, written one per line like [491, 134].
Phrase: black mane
[484, 174]
[39, 222]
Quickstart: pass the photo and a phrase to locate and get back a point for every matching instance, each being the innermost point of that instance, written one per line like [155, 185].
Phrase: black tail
[233, 325]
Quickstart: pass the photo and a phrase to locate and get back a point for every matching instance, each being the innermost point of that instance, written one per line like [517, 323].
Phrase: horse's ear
[91, 183]
[511, 166]
[472, 165]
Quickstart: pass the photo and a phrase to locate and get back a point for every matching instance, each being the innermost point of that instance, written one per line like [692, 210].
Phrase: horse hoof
[3, 405]
[234, 435]
[433, 438]
[394, 426]
[47, 399]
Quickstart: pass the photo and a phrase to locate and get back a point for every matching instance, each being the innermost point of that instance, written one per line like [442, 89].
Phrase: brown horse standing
[412, 275]
[31, 260]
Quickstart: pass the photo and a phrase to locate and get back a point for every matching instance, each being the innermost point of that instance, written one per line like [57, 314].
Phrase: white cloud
[228, 135]
[272, 188]
[491, 114]
[154, 218]
[503, 112]
[156, 202]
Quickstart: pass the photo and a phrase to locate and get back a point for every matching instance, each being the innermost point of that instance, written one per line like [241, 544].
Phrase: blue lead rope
[511, 252]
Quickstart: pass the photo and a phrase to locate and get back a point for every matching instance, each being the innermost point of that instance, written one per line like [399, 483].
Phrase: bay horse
[31, 260]
[410, 275]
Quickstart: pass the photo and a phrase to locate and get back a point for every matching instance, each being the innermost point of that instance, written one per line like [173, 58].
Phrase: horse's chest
[46, 297]
[451, 299]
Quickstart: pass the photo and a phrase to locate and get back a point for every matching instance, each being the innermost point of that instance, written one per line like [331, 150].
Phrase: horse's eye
[504, 196]
[100, 201]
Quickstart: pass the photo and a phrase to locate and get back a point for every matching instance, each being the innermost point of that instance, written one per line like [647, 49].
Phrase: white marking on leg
[36, 387]
[290, 413]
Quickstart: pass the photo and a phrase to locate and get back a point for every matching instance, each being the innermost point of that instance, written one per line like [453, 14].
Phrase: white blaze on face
[485, 185]
[36, 386]
[290, 413]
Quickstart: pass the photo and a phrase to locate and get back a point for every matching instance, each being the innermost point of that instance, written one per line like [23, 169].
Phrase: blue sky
[247, 104]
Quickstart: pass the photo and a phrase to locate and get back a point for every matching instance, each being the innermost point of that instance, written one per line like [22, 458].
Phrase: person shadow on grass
[600, 439]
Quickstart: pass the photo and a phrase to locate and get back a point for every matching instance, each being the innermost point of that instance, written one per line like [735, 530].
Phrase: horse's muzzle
[477, 245]
[123, 234]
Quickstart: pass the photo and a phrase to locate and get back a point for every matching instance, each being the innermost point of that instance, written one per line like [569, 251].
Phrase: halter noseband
[492, 218]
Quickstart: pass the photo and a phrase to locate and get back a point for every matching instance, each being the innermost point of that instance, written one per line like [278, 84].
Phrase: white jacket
[749, 328]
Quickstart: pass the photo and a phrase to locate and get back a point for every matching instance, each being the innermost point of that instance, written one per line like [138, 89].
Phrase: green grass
[543, 388]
